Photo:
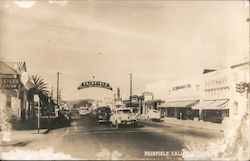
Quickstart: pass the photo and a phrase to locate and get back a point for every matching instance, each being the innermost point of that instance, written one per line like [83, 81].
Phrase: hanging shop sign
[98, 84]
[9, 81]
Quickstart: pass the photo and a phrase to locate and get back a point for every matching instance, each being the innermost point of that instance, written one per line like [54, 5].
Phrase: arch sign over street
[98, 84]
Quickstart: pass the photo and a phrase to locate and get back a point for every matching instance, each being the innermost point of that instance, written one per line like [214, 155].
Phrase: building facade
[209, 97]
[13, 90]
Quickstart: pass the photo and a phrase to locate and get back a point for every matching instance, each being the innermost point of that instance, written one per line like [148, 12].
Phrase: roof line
[9, 67]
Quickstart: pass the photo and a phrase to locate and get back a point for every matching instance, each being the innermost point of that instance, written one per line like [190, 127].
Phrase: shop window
[235, 108]
[8, 101]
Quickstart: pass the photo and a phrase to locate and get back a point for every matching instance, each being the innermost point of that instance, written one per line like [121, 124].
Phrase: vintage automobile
[153, 115]
[123, 116]
[83, 112]
[102, 114]
[64, 116]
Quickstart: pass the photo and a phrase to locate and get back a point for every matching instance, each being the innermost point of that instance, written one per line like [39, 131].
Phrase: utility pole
[51, 93]
[50, 106]
[38, 118]
[118, 94]
[49, 113]
[248, 83]
[57, 90]
[130, 98]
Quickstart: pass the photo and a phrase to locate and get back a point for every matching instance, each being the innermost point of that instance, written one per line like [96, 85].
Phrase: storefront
[13, 92]
[9, 94]
[180, 96]
[209, 97]
[212, 110]
[179, 109]
[219, 98]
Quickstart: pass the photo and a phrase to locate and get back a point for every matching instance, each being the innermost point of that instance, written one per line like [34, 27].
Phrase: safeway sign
[9, 81]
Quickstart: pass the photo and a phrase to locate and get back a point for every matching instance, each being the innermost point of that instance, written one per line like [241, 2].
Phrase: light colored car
[123, 116]
[83, 112]
[153, 115]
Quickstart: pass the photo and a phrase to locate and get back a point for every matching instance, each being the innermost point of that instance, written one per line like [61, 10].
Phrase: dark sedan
[102, 114]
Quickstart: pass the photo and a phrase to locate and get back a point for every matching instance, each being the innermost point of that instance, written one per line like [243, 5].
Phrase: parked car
[65, 116]
[123, 116]
[102, 114]
[153, 115]
[65, 113]
[83, 112]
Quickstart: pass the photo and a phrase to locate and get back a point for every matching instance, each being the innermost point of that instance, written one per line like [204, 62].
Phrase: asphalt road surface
[85, 139]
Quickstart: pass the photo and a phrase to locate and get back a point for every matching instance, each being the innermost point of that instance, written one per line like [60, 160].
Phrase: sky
[153, 40]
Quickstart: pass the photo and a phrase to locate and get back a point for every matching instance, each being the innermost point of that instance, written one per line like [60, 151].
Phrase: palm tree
[39, 88]
[39, 84]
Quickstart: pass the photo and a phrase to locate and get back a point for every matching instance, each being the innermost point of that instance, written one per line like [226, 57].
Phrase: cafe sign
[98, 84]
[9, 81]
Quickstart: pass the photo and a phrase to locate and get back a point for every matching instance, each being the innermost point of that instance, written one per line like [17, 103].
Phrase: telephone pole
[130, 98]
[50, 106]
[57, 89]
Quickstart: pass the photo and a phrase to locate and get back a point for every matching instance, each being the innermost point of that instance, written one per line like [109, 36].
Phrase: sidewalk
[22, 137]
[20, 133]
[191, 124]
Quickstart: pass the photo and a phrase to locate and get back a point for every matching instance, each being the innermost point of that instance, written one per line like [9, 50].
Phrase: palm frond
[39, 84]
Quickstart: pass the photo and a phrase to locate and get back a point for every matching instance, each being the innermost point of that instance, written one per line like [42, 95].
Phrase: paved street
[85, 139]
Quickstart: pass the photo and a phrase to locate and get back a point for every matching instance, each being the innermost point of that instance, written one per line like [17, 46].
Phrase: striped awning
[179, 104]
[212, 104]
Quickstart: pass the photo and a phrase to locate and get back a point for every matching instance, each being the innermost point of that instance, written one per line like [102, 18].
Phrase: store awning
[202, 104]
[212, 104]
[179, 104]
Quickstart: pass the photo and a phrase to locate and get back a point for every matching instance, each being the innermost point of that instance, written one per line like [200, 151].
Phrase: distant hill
[81, 102]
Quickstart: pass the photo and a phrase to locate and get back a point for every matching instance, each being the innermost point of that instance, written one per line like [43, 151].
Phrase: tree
[39, 84]
[39, 88]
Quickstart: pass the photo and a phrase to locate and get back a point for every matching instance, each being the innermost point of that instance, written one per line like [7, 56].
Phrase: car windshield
[104, 110]
[124, 111]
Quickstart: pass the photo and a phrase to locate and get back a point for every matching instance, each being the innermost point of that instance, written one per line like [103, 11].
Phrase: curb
[176, 124]
[43, 131]
[46, 131]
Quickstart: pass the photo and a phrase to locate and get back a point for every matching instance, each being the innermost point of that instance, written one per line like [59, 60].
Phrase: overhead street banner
[98, 84]
[9, 81]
